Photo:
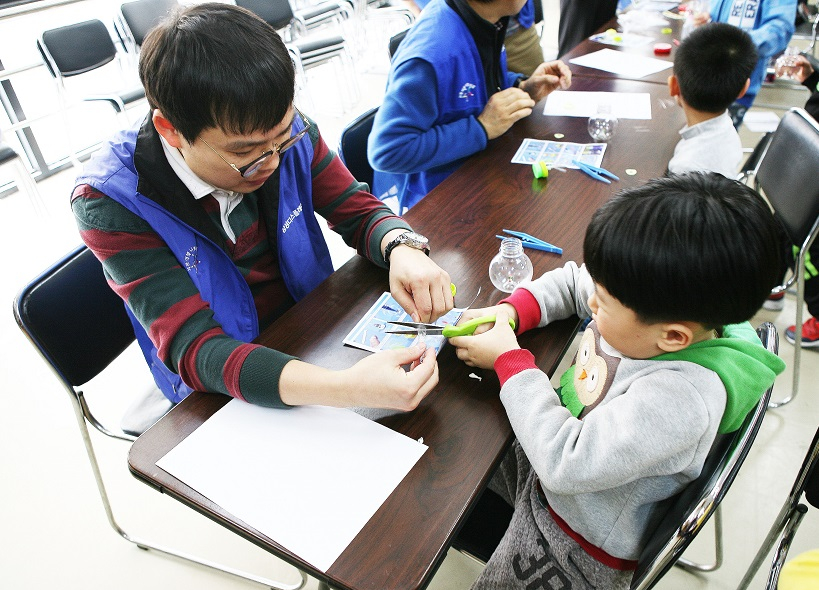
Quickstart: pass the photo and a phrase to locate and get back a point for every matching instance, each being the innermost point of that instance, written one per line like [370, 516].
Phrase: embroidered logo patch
[192, 259]
[467, 91]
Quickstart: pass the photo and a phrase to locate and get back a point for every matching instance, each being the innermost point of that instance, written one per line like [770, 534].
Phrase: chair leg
[691, 566]
[797, 337]
[27, 186]
[786, 524]
[142, 544]
[784, 546]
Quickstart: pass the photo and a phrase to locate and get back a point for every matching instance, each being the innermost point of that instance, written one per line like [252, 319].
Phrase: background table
[462, 421]
[646, 50]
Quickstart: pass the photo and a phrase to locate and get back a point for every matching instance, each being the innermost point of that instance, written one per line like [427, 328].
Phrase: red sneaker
[810, 333]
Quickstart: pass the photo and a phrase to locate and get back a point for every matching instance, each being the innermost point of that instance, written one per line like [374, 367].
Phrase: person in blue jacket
[770, 23]
[449, 93]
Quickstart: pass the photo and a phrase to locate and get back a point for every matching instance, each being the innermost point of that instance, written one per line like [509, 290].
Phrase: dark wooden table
[462, 421]
[647, 50]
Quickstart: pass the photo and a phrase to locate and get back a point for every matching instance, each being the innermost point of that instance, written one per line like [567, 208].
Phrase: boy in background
[666, 364]
[712, 69]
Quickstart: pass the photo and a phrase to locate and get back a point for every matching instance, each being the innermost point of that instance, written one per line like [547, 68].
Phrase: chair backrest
[76, 49]
[353, 147]
[690, 509]
[395, 41]
[786, 174]
[143, 15]
[71, 315]
[277, 13]
[538, 11]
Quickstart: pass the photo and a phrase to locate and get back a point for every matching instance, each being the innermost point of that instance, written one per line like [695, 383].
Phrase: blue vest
[441, 38]
[304, 259]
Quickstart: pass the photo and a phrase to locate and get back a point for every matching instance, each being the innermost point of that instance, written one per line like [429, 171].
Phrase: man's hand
[419, 285]
[547, 77]
[503, 110]
[482, 350]
[379, 381]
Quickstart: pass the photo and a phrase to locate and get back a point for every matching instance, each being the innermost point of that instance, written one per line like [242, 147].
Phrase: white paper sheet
[623, 64]
[309, 477]
[761, 121]
[577, 103]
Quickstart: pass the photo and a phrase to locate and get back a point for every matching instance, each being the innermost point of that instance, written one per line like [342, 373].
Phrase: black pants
[581, 18]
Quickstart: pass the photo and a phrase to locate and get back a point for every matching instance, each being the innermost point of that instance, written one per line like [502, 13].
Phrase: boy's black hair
[690, 247]
[712, 65]
[217, 65]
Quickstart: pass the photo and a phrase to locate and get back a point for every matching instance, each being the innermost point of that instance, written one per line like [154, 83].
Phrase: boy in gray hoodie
[674, 269]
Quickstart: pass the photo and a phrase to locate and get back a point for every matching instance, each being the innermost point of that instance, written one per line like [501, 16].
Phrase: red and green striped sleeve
[142, 270]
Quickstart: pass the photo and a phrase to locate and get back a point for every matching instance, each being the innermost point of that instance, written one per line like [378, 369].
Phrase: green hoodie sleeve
[745, 367]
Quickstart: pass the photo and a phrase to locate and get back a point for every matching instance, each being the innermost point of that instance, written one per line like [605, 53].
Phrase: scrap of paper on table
[308, 477]
[559, 154]
[623, 64]
[579, 103]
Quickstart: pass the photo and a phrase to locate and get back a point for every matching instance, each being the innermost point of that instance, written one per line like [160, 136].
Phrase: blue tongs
[532, 242]
[595, 172]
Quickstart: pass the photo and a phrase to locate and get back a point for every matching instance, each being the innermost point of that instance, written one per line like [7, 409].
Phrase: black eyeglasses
[249, 170]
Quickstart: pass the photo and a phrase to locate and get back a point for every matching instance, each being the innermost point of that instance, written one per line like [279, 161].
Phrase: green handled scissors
[448, 331]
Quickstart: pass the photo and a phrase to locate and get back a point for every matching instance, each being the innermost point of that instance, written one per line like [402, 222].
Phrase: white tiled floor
[54, 532]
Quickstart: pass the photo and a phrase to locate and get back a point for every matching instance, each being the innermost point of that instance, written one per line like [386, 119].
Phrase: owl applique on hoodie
[586, 382]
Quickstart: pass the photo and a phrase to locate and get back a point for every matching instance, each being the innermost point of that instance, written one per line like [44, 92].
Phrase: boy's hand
[805, 68]
[483, 349]
[471, 314]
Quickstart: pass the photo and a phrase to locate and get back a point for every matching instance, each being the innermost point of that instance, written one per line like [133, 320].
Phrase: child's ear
[675, 336]
[745, 88]
[166, 129]
[674, 85]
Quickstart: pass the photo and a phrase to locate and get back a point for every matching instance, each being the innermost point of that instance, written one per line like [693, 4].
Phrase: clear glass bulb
[510, 266]
[602, 124]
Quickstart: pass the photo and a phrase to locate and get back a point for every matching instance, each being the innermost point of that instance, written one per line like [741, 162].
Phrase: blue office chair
[79, 327]
[352, 147]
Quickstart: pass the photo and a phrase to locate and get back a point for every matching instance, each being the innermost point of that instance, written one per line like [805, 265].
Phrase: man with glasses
[204, 220]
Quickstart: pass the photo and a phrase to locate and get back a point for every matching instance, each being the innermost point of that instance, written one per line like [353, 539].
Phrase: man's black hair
[712, 65]
[217, 65]
[690, 247]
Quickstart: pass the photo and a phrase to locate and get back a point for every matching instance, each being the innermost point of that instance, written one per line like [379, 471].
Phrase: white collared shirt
[228, 200]
[710, 146]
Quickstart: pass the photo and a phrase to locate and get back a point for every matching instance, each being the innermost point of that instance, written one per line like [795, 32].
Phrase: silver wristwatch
[408, 238]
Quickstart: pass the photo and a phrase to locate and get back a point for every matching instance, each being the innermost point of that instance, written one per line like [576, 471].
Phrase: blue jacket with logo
[770, 23]
[428, 123]
[304, 258]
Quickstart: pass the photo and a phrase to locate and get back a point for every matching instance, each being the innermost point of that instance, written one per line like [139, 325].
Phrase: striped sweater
[142, 270]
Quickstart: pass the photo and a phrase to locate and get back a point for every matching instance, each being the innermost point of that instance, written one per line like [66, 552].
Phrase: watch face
[416, 240]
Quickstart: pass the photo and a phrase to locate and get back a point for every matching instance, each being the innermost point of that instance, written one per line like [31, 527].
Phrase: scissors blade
[437, 331]
[416, 325]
